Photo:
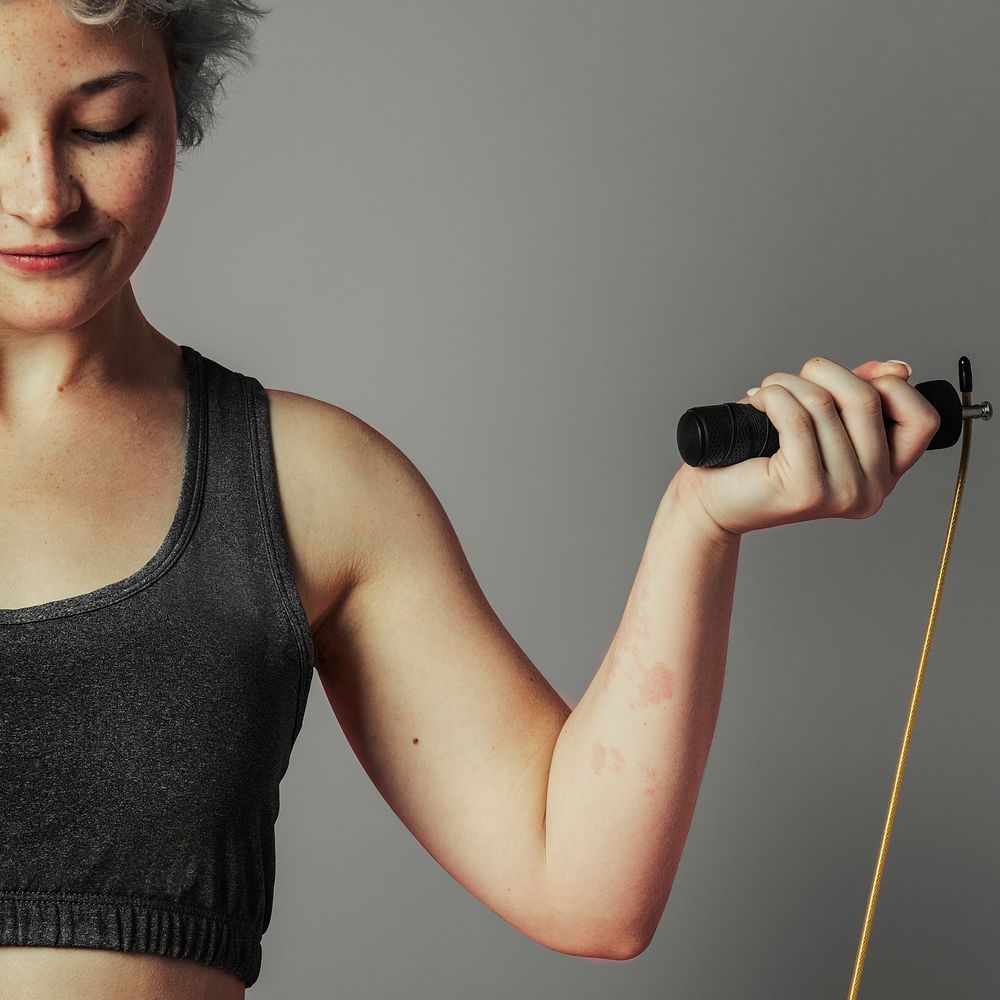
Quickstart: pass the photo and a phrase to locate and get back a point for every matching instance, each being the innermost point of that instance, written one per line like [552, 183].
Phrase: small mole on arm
[415, 740]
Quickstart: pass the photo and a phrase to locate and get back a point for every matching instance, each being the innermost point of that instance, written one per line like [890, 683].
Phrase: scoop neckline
[180, 528]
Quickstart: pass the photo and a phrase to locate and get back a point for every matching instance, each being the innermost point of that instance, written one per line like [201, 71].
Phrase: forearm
[628, 762]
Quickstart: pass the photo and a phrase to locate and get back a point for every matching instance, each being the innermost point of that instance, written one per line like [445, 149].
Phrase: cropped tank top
[145, 727]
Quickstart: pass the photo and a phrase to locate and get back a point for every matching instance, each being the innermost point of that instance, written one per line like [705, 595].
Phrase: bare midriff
[97, 974]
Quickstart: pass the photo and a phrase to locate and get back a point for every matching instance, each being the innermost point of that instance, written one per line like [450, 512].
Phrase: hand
[836, 457]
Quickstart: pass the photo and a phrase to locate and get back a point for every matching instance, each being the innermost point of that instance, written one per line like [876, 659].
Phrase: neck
[117, 354]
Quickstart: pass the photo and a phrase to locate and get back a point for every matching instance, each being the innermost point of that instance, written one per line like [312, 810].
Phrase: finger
[836, 451]
[859, 405]
[798, 455]
[870, 369]
[914, 421]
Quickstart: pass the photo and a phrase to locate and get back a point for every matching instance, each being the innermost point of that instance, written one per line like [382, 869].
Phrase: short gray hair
[203, 38]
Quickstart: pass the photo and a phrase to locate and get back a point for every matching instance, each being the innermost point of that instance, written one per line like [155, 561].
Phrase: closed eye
[101, 137]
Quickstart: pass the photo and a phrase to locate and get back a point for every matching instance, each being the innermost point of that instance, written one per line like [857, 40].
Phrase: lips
[49, 263]
[38, 250]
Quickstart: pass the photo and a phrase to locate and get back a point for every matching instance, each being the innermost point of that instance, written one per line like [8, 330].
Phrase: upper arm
[449, 718]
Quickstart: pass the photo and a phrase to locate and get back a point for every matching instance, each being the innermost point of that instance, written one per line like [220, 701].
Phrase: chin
[47, 318]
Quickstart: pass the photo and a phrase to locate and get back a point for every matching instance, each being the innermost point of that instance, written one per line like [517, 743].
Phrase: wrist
[683, 497]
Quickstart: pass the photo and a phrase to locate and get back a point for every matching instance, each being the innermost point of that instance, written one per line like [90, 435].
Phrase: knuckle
[815, 362]
[861, 505]
[876, 497]
[869, 400]
[867, 396]
[869, 508]
[813, 496]
[851, 498]
[857, 515]
[872, 506]
[821, 400]
[800, 421]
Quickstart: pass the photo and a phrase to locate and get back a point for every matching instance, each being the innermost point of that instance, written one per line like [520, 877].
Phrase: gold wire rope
[904, 750]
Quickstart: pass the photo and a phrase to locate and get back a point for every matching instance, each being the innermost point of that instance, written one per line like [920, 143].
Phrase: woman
[180, 548]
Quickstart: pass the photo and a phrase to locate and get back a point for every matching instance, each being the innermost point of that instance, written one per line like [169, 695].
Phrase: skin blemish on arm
[602, 756]
[633, 633]
[597, 756]
[657, 685]
[651, 776]
[415, 740]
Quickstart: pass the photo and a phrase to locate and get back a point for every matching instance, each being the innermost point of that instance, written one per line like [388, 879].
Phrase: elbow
[607, 932]
[630, 948]
[620, 948]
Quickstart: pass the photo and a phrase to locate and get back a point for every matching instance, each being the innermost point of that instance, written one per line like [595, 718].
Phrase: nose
[36, 185]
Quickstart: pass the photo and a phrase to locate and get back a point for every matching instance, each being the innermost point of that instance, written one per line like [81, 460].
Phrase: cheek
[135, 189]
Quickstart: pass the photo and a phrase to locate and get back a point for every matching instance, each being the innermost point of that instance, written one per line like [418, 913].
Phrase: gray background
[520, 239]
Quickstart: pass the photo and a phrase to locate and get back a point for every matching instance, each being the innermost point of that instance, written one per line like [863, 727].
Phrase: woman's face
[62, 184]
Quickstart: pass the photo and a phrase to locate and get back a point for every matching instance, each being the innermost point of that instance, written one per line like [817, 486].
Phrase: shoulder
[339, 450]
[340, 479]
[306, 425]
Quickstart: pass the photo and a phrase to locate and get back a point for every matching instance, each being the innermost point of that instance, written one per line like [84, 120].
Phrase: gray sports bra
[145, 727]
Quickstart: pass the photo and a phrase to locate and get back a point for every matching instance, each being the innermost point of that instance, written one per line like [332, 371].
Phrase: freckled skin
[57, 185]
[75, 344]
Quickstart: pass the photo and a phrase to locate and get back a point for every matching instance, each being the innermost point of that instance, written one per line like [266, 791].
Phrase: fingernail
[903, 363]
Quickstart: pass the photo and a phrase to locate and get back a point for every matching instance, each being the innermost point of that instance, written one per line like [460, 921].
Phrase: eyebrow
[107, 82]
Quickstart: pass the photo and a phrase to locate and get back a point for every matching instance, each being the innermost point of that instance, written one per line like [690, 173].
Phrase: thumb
[872, 369]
